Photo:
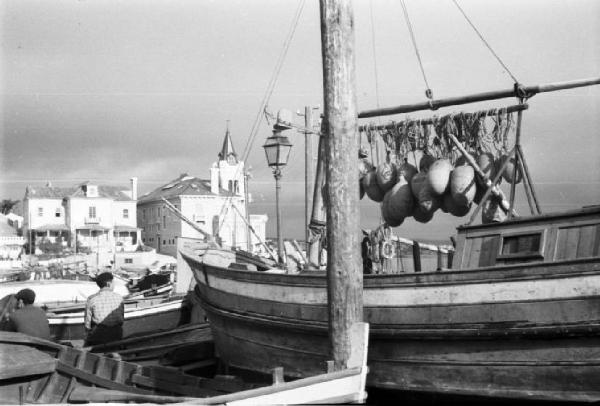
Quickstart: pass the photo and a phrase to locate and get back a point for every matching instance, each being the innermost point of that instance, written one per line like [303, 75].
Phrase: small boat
[39, 371]
[142, 316]
[187, 347]
[149, 311]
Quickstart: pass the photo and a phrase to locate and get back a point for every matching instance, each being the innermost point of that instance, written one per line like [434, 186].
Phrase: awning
[52, 227]
[92, 227]
[126, 228]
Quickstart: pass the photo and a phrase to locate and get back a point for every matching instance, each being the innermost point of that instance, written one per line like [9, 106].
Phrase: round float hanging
[438, 176]
[462, 185]
[372, 189]
[386, 176]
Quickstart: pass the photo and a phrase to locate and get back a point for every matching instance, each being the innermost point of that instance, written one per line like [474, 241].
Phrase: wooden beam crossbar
[521, 92]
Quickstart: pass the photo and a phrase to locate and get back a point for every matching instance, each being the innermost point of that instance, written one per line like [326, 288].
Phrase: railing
[12, 240]
[91, 220]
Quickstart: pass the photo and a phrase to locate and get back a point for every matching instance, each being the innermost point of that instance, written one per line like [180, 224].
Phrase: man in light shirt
[104, 313]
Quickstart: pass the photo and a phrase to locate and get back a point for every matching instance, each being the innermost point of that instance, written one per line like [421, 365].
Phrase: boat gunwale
[580, 212]
[525, 272]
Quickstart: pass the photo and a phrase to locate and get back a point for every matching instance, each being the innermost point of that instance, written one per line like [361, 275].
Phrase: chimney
[134, 181]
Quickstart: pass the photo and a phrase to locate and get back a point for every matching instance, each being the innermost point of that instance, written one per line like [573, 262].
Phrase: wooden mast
[344, 273]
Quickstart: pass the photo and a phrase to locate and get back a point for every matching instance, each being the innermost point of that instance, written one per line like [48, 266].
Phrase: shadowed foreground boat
[39, 371]
[517, 315]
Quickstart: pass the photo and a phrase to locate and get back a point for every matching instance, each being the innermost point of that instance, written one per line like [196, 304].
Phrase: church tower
[228, 172]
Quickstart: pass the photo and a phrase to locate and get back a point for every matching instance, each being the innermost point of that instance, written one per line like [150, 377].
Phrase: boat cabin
[546, 238]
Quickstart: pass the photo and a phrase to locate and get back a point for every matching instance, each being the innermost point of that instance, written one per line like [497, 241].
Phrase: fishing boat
[513, 313]
[39, 371]
[516, 316]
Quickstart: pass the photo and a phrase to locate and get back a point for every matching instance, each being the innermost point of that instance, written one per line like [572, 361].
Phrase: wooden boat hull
[513, 332]
[140, 318]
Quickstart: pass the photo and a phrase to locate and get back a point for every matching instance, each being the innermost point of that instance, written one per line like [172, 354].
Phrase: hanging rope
[485, 42]
[428, 91]
[263, 105]
[374, 54]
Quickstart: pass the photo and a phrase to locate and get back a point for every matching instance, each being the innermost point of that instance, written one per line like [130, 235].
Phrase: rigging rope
[263, 105]
[374, 53]
[428, 92]
[485, 42]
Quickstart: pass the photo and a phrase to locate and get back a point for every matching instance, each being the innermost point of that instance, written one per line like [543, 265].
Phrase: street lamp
[277, 149]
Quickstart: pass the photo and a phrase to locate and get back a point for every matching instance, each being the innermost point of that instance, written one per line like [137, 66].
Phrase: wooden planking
[474, 252]
[597, 241]
[572, 242]
[96, 395]
[585, 245]
[431, 322]
[95, 380]
[22, 361]
[170, 387]
[564, 287]
[489, 250]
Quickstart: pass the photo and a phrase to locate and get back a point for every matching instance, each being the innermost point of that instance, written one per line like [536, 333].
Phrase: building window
[40, 212]
[92, 212]
[158, 211]
[57, 213]
[144, 214]
[230, 186]
[129, 260]
[236, 186]
[125, 213]
[164, 242]
[164, 221]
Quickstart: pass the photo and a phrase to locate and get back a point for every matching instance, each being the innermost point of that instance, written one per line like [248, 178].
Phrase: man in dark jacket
[29, 319]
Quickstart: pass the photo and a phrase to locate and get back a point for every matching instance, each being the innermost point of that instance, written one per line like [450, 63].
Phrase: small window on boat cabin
[522, 246]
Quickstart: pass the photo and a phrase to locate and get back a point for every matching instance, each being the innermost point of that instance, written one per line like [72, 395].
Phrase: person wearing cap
[29, 319]
[104, 313]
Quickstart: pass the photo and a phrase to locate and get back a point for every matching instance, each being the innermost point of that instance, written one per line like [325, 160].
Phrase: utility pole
[344, 270]
[308, 169]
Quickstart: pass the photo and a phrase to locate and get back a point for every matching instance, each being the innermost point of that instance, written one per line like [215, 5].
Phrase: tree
[7, 205]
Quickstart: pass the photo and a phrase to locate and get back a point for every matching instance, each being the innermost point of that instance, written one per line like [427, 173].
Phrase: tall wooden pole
[344, 271]
[308, 175]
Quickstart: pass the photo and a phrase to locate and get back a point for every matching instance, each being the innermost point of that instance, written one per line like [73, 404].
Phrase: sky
[104, 90]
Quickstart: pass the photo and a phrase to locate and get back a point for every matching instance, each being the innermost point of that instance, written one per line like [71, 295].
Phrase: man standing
[104, 313]
[29, 319]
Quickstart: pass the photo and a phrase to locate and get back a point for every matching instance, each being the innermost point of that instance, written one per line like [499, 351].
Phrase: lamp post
[277, 149]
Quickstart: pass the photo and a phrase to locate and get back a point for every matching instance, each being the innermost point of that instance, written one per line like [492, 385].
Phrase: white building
[93, 217]
[216, 205]
[11, 244]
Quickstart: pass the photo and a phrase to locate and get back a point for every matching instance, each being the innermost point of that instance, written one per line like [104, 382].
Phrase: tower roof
[227, 148]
